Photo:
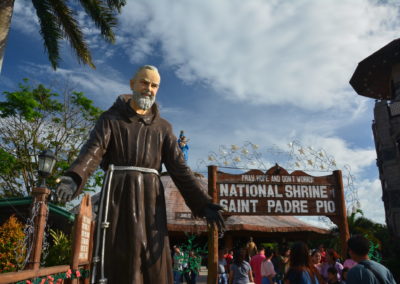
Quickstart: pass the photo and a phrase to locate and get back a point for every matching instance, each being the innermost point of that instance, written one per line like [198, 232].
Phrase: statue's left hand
[66, 189]
[212, 212]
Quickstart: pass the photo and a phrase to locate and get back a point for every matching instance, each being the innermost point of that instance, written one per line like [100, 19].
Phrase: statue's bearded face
[144, 88]
[143, 100]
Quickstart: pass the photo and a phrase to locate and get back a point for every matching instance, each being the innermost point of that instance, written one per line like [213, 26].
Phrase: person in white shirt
[267, 268]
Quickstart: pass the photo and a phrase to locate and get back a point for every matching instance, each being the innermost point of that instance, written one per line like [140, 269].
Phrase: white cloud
[370, 196]
[357, 158]
[102, 86]
[262, 52]
[24, 18]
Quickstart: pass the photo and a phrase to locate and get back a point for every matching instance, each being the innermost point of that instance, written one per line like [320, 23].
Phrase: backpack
[377, 275]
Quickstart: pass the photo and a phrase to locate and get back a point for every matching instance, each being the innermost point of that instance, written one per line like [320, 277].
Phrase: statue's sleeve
[91, 153]
[189, 186]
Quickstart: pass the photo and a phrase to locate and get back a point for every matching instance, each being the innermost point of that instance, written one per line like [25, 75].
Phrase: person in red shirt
[322, 251]
[229, 259]
[255, 264]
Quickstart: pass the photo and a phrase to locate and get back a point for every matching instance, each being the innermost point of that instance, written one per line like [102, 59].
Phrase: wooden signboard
[276, 192]
[83, 235]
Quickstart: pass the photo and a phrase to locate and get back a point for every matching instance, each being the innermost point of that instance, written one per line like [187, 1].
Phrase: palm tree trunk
[6, 11]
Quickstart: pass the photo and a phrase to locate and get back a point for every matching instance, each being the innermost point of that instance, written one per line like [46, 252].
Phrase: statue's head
[144, 85]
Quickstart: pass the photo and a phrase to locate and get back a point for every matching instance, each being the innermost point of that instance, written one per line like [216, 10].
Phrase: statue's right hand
[66, 189]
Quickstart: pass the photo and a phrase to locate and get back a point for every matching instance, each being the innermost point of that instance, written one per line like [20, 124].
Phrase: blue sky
[268, 72]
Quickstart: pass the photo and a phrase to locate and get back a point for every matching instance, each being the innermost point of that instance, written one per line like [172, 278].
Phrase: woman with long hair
[301, 269]
[240, 270]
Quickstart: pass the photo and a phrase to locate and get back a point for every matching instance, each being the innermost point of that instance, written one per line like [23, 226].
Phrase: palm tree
[57, 22]
[358, 224]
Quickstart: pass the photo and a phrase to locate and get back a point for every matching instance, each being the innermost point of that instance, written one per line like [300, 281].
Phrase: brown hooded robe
[137, 246]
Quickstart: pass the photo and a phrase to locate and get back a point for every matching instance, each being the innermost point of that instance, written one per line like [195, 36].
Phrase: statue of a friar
[130, 141]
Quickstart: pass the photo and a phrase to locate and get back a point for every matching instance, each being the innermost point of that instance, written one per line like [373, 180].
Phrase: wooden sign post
[212, 276]
[83, 237]
[40, 195]
[341, 218]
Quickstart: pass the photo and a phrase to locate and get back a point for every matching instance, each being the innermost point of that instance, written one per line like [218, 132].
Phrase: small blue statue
[182, 142]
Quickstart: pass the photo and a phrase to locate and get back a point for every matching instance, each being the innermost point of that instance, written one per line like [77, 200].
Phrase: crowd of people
[300, 265]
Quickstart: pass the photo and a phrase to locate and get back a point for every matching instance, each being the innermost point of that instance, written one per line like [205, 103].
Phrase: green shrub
[60, 249]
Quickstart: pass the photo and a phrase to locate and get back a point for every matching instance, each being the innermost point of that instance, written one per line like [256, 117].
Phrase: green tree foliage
[12, 251]
[359, 225]
[33, 119]
[191, 246]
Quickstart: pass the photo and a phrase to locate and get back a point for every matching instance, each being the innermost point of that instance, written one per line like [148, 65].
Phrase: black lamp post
[47, 160]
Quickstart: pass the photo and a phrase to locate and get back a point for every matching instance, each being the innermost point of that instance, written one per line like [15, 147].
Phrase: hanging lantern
[47, 161]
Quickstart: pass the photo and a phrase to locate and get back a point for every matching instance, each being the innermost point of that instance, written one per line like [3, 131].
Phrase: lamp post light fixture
[47, 160]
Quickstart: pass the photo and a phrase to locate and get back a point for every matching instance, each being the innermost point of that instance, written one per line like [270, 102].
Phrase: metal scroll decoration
[294, 157]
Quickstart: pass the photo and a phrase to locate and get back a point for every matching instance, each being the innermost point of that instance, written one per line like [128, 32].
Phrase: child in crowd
[332, 260]
[332, 276]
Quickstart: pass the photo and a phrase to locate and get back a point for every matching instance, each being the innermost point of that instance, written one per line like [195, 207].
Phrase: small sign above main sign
[183, 215]
[257, 193]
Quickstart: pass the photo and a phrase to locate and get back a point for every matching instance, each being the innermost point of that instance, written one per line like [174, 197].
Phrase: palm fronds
[49, 29]
[103, 17]
[57, 21]
[116, 4]
[72, 31]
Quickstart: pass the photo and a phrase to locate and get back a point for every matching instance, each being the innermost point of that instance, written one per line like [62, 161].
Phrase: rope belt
[131, 168]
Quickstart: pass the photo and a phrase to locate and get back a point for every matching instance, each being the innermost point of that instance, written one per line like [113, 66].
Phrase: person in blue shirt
[301, 270]
[366, 271]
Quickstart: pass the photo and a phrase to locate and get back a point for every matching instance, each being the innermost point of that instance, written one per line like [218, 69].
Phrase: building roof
[58, 218]
[179, 217]
[14, 204]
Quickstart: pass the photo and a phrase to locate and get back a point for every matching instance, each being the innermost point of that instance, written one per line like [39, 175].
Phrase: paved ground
[202, 279]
